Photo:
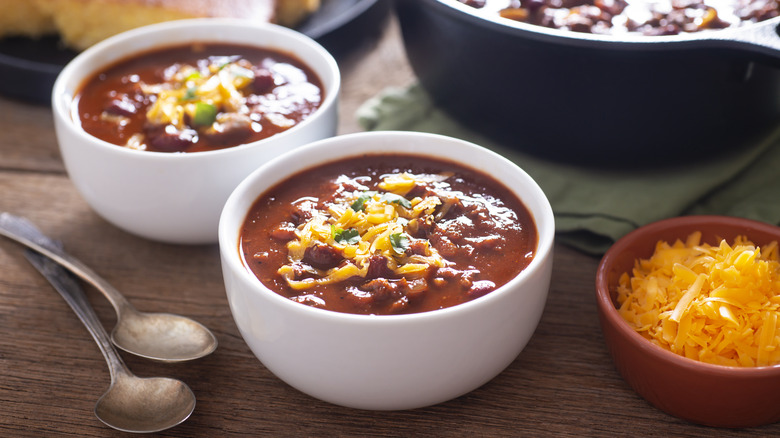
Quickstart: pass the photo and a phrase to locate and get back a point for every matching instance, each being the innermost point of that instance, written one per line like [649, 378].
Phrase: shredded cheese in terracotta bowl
[717, 304]
[690, 311]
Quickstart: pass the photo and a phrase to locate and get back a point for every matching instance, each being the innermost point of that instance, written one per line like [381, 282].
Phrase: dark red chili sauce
[448, 235]
[198, 97]
[647, 17]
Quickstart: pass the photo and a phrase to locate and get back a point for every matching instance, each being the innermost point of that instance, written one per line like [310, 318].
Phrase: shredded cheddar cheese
[365, 224]
[716, 304]
[218, 85]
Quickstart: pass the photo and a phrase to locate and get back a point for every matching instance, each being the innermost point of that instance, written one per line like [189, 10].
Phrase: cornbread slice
[82, 23]
[292, 12]
[24, 18]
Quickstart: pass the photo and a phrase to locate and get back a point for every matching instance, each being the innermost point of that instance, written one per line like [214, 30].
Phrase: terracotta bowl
[699, 392]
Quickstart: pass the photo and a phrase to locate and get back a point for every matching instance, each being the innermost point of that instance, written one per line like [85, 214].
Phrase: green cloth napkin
[594, 206]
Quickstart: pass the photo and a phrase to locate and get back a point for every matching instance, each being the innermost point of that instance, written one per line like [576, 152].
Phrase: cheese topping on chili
[365, 224]
[716, 304]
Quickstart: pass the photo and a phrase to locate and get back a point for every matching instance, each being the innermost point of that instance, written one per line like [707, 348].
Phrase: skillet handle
[759, 38]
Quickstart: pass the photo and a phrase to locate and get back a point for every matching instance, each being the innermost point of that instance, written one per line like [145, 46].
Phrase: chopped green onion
[392, 198]
[189, 94]
[205, 114]
[193, 75]
[360, 202]
[400, 242]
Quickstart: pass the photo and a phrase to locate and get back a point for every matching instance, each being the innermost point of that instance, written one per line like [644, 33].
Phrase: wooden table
[51, 372]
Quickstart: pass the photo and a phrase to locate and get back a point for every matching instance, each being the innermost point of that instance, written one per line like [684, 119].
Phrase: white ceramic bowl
[177, 198]
[396, 361]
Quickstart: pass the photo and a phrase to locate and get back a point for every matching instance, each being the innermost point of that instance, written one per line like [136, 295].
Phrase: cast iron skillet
[598, 99]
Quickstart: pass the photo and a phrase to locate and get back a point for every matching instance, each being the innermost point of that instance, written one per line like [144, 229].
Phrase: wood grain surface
[52, 373]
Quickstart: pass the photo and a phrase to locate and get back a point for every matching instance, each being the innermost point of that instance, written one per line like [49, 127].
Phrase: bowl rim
[628, 41]
[62, 98]
[608, 311]
[230, 249]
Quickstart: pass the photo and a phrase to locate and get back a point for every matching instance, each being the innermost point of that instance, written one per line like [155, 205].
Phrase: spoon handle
[24, 232]
[66, 285]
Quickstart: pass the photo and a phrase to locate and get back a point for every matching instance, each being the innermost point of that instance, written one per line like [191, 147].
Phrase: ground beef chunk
[302, 211]
[377, 267]
[284, 231]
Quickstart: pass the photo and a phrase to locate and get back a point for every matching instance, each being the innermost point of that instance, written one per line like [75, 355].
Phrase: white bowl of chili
[384, 358]
[163, 181]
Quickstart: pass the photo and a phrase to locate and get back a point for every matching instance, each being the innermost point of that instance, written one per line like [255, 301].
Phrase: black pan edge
[762, 38]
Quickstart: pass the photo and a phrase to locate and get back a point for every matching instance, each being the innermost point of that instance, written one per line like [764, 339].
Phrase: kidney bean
[229, 129]
[479, 288]
[264, 81]
[169, 139]
[532, 5]
[123, 106]
[322, 256]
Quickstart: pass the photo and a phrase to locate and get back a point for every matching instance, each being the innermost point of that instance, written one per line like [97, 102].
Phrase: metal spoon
[158, 336]
[131, 403]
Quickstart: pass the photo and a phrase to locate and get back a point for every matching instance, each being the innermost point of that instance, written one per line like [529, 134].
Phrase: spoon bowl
[158, 336]
[164, 403]
[163, 337]
[131, 403]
